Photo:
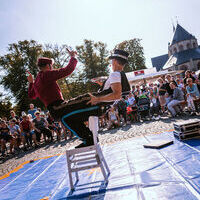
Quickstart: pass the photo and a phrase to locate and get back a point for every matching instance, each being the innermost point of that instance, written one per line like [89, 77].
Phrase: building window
[188, 46]
[194, 45]
[180, 47]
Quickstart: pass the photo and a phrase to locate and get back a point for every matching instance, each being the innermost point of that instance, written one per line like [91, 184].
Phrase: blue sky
[110, 21]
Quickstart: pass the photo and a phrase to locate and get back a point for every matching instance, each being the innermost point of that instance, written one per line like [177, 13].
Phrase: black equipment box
[187, 129]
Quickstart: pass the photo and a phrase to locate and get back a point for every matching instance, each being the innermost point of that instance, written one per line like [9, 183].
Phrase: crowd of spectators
[28, 131]
[168, 96]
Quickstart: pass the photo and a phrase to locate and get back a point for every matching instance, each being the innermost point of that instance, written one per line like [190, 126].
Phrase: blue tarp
[171, 173]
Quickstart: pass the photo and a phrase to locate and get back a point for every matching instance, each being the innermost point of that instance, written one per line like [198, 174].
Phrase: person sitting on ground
[40, 126]
[113, 118]
[32, 110]
[177, 97]
[192, 94]
[5, 137]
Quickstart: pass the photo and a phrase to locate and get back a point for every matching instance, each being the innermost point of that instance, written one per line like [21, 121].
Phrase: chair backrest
[94, 127]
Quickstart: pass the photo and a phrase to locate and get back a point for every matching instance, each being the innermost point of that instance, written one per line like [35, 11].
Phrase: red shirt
[25, 125]
[45, 86]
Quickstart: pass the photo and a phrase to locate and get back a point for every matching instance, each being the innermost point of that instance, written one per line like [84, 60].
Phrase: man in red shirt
[75, 112]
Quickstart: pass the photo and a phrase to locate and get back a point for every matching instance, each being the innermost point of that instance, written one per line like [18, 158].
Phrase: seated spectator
[193, 74]
[132, 113]
[121, 107]
[133, 89]
[40, 126]
[32, 110]
[54, 126]
[14, 116]
[192, 94]
[188, 75]
[138, 90]
[27, 133]
[5, 137]
[131, 100]
[58, 129]
[180, 84]
[15, 133]
[113, 118]
[177, 97]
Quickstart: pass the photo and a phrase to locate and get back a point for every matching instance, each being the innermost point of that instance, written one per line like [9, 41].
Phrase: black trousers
[74, 113]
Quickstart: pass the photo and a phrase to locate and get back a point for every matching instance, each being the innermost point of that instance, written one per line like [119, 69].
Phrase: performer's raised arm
[56, 74]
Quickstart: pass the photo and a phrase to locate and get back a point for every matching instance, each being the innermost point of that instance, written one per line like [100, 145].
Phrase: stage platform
[137, 173]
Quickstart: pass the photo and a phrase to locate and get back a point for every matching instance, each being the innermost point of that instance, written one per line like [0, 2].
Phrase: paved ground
[105, 137]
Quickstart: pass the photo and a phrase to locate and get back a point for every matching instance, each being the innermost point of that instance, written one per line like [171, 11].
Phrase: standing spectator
[161, 92]
[32, 110]
[192, 93]
[40, 126]
[177, 97]
[5, 137]
[167, 85]
[154, 104]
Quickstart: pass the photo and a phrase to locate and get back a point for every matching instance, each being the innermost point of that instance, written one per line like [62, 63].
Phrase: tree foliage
[136, 60]
[93, 63]
[5, 106]
[21, 56]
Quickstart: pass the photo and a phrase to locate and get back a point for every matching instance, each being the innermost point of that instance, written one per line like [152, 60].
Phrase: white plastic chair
[87, 157]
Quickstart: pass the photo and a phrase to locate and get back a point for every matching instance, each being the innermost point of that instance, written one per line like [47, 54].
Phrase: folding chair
[87, 157]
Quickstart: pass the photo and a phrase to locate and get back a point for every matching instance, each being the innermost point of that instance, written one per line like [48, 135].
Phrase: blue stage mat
[171, 173]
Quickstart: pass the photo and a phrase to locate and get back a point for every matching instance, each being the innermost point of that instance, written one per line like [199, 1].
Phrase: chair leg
[69, 172]
[101, 166]
[103, 159]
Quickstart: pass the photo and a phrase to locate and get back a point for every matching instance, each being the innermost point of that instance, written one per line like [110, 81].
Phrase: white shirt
[114, 77]
[131, 100]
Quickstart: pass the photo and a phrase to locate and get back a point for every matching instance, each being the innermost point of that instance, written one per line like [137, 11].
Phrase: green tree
[21, 56]
[5, 106]
[136, 60]
[93, 57]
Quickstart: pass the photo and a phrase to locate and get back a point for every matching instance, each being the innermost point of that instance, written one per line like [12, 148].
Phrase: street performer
[75, 112]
